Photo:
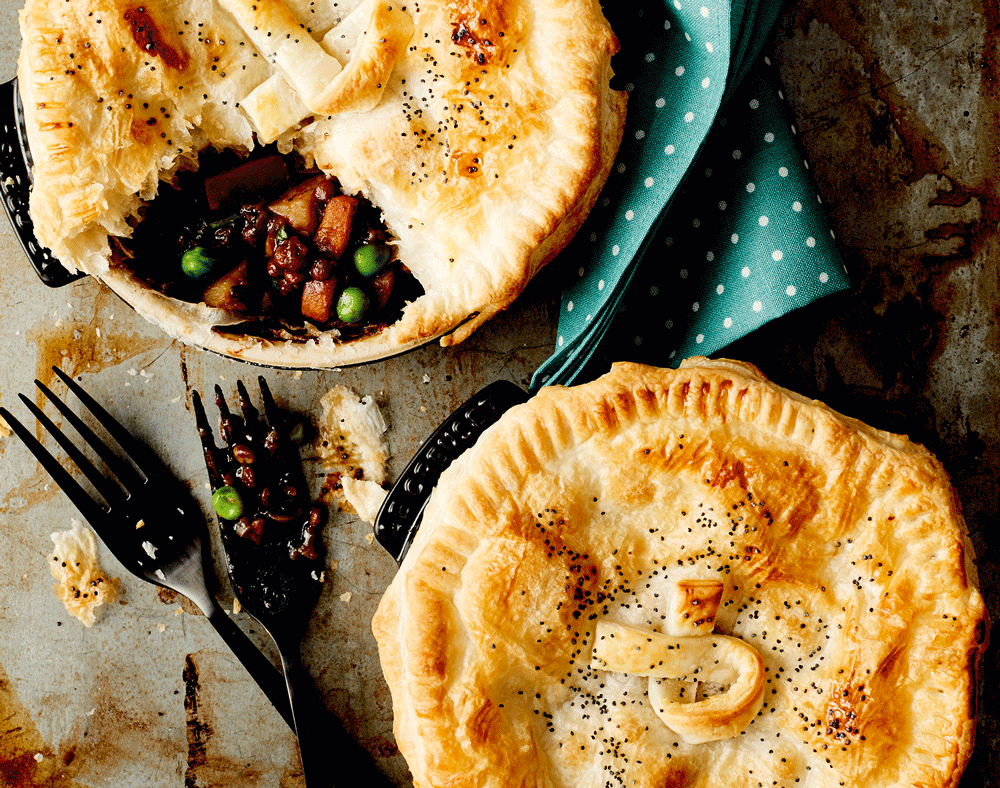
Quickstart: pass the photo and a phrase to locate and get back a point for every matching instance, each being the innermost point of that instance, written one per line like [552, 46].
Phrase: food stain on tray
[87, 338]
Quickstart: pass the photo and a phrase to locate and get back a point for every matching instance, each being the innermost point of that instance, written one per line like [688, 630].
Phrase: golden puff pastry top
[484, 130]
[841, 553]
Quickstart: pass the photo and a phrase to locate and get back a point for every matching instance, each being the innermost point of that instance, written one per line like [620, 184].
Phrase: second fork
[162, 544]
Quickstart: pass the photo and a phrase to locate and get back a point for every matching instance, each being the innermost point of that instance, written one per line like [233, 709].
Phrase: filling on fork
[269, 524]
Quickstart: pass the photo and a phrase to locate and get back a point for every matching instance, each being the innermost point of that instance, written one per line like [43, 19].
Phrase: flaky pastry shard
[842, 551]
[482, 129]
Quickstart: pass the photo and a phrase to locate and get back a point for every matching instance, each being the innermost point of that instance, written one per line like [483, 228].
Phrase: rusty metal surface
[897, 108]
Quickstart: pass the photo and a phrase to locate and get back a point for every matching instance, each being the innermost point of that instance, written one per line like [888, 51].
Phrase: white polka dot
[688, 117]
[783, 172]
[683, 273]
[640, 135]
[688, 37]
[762, 221]
[754, 103]
[669, 150]
[796, 206]
[706, 82]
[696, 223]
[614, 250]
[630, 215]
[600, 285]
[776, 255]
[824, 277]
[793, 129]
[672, 354]
[581, 271]
[679, 71]
[669, 241]
[737, 154]
[722, 205]
[710, 256]
[720, 289]
[660, 103]
[560, 341]
[593, 237]
[734, 238]
[650, 57]
[637, 340]
[569, 307]
[621, 167]
[669, 324]
[708, 172]
[791, 290]
[757, 306]
[728, 322]
[751, 187]
[677, 4]
[654, 290]
[709, 46]
[769, 137]
[700, 338]
[810, 242]
[695, 306]
[649, 182]
[745, 272]
[704, 12]
[589, 318]
[666, 25]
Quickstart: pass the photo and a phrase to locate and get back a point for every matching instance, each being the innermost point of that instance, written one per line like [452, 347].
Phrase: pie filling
[275, 243]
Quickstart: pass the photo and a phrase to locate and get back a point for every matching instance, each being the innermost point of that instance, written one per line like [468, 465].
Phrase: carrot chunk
[334, 229]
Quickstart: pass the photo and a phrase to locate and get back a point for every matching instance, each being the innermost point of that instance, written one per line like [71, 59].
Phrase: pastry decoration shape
[844, 562]
[688, 658]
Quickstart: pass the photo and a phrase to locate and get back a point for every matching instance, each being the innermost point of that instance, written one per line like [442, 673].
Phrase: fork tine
[271, 413]
[92, 512]
[125, 473]
[251, 416]
[226, 418]
[208, 445]
[107, 489]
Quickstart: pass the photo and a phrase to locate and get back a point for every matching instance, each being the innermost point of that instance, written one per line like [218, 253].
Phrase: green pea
[227, 503]
[281, 234]
[296, 431]
[352, 305]
[369, 259]
[197, 263]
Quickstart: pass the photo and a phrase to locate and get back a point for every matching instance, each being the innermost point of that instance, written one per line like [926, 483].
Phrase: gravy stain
[77, 349]
[26, 760]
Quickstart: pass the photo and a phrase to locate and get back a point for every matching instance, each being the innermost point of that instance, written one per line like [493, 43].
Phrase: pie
[685, 577]
[473, 135]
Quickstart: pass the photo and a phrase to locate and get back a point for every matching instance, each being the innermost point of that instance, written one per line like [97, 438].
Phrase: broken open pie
[685, 577]
[355, 178]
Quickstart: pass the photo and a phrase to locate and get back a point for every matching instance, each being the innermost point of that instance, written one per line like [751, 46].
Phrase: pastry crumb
[82, 585]
[352, 450]
[346, 596]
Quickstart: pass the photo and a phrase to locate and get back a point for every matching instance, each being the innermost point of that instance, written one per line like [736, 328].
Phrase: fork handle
[260, 668]
[323, 740]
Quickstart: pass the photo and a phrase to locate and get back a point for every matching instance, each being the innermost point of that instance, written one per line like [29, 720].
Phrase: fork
[272, 548]
[150, 523]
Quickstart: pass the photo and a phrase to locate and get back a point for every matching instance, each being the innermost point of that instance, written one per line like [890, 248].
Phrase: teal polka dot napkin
[710, 224]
